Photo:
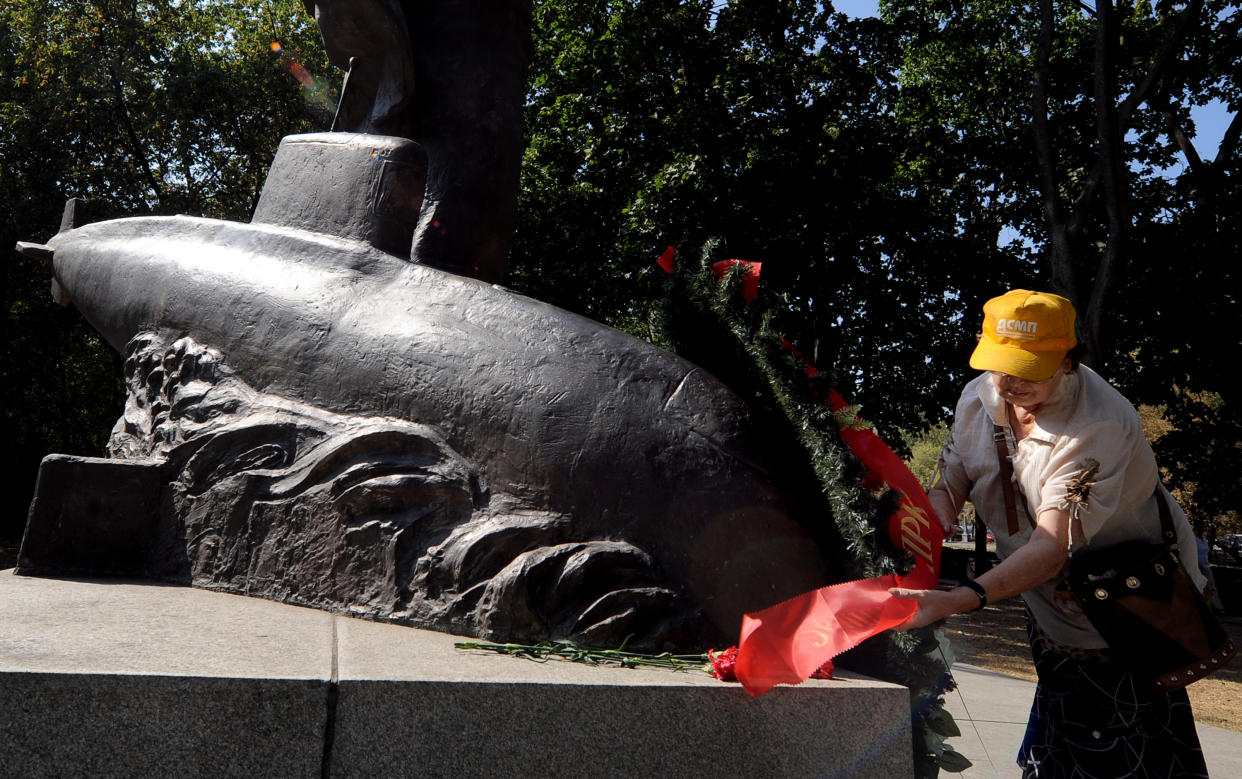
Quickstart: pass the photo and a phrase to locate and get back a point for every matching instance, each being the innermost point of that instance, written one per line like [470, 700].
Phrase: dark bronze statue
[313, 417]
[449, 75]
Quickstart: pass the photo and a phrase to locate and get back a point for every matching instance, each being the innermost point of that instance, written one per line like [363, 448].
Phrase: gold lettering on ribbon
[913, 523]
[858, 620]
[850, 620]
[821, 632]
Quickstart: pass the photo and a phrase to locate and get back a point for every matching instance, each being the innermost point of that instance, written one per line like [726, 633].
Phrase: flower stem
[574, 652]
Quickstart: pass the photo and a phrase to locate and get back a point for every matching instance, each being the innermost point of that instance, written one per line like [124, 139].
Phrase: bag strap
[1166, 518]
[1006, 475]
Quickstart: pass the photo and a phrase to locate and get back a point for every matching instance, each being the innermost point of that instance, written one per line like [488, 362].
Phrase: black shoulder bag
[1140, 600]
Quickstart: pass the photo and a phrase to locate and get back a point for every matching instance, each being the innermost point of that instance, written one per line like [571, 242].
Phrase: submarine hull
[556, 412]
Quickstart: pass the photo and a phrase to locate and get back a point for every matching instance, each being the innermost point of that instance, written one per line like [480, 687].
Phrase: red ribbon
[786, 643]
[750, 281]
[666, 260]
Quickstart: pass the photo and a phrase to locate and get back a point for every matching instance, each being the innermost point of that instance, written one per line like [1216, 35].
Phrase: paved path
[998, 706]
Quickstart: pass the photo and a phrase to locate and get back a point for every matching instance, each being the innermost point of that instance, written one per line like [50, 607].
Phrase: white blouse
[1086, 421]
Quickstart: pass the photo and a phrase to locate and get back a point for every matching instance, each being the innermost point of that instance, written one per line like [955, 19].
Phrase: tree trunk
[1064, 254]
[1059, 254]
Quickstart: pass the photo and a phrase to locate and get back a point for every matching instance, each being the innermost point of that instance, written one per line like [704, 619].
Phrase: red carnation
[722, 663]
[824, 671]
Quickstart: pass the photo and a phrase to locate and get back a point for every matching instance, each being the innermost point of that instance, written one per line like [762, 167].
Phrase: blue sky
[1210, 120]
[856, 7]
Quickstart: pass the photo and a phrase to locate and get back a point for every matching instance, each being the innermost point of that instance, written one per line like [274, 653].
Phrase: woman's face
[1028, 395]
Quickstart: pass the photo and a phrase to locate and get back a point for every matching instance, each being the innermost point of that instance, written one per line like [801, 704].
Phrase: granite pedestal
[121, 678]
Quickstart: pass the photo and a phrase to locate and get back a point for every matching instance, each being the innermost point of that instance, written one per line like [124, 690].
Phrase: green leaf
[941, 721]
[953, 761]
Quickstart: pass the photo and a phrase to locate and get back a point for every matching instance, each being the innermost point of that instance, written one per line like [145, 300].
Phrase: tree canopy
[770, 128]
[892, 174]
[140, 108]
[1072, 123]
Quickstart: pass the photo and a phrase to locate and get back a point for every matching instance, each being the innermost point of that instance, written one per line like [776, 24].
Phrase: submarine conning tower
[361, 187]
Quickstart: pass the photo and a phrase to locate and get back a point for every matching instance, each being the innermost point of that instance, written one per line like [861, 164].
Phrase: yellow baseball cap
[1025, 334]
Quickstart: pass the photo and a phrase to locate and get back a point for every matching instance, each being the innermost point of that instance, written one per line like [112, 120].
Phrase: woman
[1081, 473]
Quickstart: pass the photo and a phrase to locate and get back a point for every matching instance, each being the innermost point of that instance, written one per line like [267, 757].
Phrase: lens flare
[296, 68]
[301, 74]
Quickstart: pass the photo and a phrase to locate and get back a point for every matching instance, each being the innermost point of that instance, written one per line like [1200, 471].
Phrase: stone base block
[109, 678]
[89, 725]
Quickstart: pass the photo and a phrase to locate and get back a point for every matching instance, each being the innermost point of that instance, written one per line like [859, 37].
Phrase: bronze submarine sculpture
[314, 418]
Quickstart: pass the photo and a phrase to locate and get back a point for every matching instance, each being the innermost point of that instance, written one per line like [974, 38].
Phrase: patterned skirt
[1093, 720]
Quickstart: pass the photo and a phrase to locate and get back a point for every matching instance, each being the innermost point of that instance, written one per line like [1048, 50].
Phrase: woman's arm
[947, 503]
[1035, 562]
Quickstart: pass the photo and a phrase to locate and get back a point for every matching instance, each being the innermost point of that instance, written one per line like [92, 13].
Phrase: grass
[995, 639]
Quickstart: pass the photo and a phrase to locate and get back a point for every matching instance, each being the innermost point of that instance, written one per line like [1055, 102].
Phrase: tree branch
[1229, 143]
[122, 108]
[136, 148]
[1111, 170]
[1189, 16]
[1059, 257]
[1086, 197]
[1177, 132]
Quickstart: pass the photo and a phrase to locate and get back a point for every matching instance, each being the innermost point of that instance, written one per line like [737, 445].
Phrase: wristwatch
[978, 588]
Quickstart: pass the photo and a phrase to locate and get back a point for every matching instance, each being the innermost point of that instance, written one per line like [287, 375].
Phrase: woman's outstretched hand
[934, 605]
